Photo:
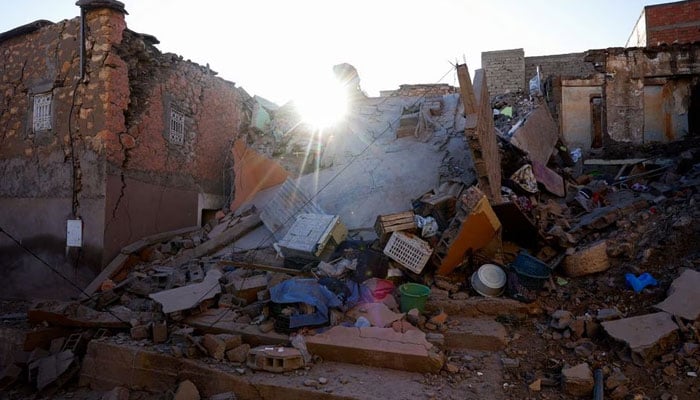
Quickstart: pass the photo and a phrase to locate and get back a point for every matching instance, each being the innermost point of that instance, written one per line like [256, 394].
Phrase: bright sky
[276, 48]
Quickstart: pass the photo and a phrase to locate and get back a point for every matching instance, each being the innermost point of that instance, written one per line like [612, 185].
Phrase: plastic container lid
[492, 276]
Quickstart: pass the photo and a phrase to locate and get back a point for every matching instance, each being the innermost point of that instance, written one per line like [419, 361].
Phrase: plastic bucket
[413, 295]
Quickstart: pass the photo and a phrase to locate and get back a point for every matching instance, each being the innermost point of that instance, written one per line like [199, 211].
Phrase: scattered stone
[231, 341]
[311, 383]
[589, 260]
[510, 362]
[238, 354]
[223, 396]
[608, 314]
[646, 335]
[617, 378]
[139, 332]
[118, 393]
[160, 332]
[437, 339]
[413, 316]
[460, 296]
[451, 368]
[322, 380]
[578, 380]
[186, 391]
[585, 349]
[671, 371]
[578, 327]
[536, 386]
[690, 348]
[561, 319]
[620, 392]
[667, 358]
[215, 346]
[267, 326]
[683, 296]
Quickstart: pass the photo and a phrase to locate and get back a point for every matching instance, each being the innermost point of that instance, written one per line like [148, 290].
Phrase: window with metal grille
[177, 127]
[42, 112]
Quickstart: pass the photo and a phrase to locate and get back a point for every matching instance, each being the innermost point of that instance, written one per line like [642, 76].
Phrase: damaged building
[531, 232]
[114, 135]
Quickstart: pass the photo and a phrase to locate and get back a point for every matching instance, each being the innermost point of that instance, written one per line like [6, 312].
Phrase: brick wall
[505, 70]
[566, 65]
[673, 22]
[439, 89]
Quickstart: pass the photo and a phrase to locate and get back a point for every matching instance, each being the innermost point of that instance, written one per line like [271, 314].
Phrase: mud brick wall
[669, 23]
[566, 65]
[505, 70]
[427, 90]
[106, 159]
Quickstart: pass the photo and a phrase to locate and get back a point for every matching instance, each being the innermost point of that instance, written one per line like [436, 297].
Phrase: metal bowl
[489, 280]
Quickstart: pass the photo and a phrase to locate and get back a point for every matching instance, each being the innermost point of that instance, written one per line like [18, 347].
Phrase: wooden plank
[629, 161]
[269, 268]
[153, 239]
[106, 273]
[400, 227]
[241, 228]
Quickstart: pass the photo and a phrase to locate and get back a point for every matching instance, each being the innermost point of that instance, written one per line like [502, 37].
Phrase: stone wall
[107, 158]
[565, 65]
[505, 70]
[418, 90]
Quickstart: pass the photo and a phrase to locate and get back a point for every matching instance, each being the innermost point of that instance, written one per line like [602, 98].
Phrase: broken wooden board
[260, 267]
[223, 320]
[235, 232]
[551, 181]
[188, 297]
[77, 315]
[476, 231]
[156, 238]
[386, 224]
[537, 136]
[629, 161]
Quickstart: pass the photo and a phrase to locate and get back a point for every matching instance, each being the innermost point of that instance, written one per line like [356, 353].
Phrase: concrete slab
[378, 347]
[683, 296]
[475, 334]
[378, 314]
[646, 335]
[187, 297]
[482, 306]
[222, 320]
[107, 365]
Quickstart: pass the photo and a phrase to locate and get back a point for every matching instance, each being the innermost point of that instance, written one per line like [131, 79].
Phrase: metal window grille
[42, 112]
[177, 127]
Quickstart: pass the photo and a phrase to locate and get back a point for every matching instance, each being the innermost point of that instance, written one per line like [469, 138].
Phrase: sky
[278, 49]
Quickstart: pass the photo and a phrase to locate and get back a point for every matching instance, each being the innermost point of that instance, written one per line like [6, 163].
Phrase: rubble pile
[585, 275]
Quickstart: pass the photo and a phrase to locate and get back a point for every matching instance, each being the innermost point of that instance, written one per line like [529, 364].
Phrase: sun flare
[323, 102]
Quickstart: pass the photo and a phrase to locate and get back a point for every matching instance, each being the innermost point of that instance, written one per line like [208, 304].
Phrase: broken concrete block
[238, 354]
[646, 335]
[230, 341]
[589, 260]
[377, 347]
[215, 346]
[275, 359]
[186, 391]
[139, 332]
[578, 380]
[188, 297]
[160, 332]
[118, 393]
[476, 334]
[683, 296]
[223, 396]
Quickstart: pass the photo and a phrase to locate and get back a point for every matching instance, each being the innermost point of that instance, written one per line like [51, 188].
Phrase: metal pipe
[598, 387]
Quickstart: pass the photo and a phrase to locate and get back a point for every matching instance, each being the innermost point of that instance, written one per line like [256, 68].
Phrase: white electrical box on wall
[74, 233]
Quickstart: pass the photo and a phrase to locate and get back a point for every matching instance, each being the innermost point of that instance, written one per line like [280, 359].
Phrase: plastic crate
[411, 252]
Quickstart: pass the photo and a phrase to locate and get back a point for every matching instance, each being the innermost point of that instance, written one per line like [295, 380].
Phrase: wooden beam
[269, 268]
[466, 89]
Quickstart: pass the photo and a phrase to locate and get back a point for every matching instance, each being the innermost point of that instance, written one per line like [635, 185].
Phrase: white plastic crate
[411, 252]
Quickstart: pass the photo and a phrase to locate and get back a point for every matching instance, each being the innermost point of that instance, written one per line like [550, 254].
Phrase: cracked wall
[106, 159]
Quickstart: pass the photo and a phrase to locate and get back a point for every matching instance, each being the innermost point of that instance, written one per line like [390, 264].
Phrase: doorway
[596, 122]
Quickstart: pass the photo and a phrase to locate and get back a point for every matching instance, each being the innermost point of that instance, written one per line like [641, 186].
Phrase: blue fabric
[307, 291]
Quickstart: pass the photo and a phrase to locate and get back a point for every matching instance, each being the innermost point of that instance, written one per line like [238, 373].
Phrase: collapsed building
[480, 241]
[101, 129]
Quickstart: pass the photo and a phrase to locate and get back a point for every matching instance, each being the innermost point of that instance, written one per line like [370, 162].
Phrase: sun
[323, 102]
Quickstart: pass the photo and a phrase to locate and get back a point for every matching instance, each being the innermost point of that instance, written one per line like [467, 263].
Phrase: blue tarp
[307, 291]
